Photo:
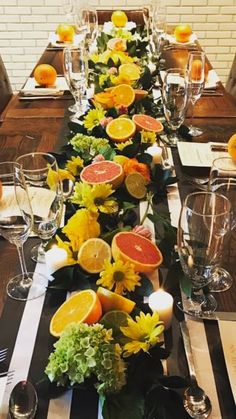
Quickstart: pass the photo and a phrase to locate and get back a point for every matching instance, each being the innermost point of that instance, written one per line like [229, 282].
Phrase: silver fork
[8, 374]
[3, 354]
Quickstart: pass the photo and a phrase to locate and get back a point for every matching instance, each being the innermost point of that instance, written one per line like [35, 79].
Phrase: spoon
[23, 401]
[196, 402]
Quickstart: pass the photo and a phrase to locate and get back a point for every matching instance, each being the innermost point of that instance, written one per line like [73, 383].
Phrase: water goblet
[16, 221]
[196, 80]
[222, 180]
[46, 197]
[174, 97]
[204, 221]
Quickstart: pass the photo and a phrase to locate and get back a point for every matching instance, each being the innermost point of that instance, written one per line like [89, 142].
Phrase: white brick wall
[25, 25]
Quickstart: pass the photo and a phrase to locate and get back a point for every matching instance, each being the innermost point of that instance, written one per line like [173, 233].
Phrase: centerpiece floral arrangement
[108, 336]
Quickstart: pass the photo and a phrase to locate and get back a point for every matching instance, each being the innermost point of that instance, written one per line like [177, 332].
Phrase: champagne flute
[92, 25]
[196, 81]
[16, 221]
[174, 97]
[204, 221]
[46, 197]
[147, 10]
[67, 7]
[223, 180]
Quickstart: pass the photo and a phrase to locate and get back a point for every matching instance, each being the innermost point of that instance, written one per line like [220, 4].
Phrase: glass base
[72, 108]
[203, 305]
[22, 289]
[195, 132]
[222, 281]
[38, 254]
[171, 140]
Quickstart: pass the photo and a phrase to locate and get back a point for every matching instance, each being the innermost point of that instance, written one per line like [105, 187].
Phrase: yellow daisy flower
[74, 165]
[143, 333]
[54, 176]
[66, 246]
[121, 146]
[119, 275]
[93, 117]
[95, 198]
[148, 137]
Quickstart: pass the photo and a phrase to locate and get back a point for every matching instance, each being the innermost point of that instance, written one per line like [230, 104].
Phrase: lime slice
[114, 320]
[136, 185]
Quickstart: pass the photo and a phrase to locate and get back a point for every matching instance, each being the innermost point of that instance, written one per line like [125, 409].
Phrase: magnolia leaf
[108, 152]
[146, 79]
[162, 403]
[144, 158]
[131, 150]
[125, 405]
[173, 382]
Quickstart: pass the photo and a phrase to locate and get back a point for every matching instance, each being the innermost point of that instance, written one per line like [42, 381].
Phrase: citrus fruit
[114, 320]
[147, 123]
[133, 247]
[196, 70]
[0, 189]
[65, 32]
[82, 307]
[130, 71]
[182, 33]
[206, 69]
[120, 129]
[140, 94]
[103, 172]
[123, 94]
[45, 75]
[92, 255]
[120, 159]
[136, 185]
[117, 44]
[119, 18]
[112, 301]
[232, 147]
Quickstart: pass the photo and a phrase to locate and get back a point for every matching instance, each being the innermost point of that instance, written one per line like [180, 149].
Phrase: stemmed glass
[196, 80]
[46, 197]
[204, 221]
[174, 97]
[158, 27]
[223, 180]
[75, 71]
[147, 10]
[16, 221]
[67, 7]
[92, 27]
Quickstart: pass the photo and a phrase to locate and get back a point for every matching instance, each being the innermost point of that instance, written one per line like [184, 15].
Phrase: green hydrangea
[84, 351]
[88, 144]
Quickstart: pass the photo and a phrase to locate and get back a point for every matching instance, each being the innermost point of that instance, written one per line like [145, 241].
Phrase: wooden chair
[5, 87]
[133, 15]
[231, 82]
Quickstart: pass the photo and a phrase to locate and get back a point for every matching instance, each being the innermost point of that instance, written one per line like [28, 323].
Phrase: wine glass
[196, 81]
[147, 10]
[67, 7]
[75, 71]
[46, 197]
[223, 180]
[204, 221]
[174, 97]
[16, 221]
[81, 17]
[92, 27]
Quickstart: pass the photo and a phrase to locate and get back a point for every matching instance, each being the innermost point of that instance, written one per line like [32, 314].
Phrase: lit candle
[55, 259]
[156, 153]
[162, 302]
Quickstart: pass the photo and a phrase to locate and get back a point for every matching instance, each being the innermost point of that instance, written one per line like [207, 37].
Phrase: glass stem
[26, 280]
[192, 112]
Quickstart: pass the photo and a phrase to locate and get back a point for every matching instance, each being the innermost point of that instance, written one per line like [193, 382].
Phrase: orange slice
[93, 254]
[123, 94]
[82, 307]
[119, 18]
[120, 129]
[232, 147]
[130, 71]
[112, 301]
[140, 94]
[148, 123]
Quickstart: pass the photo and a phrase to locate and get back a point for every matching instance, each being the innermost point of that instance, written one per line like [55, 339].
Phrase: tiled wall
[25, 25]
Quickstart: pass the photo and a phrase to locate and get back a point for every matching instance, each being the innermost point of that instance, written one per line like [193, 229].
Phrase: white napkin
[32, 89]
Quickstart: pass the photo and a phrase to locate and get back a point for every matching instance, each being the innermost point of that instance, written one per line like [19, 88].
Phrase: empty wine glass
[46, 197]
[81, 8]
[196, 80]
[204, 221]
[92, 26]
[223, 180]
[174, 97]
[16, 221]
[75, 71]
[67, 8]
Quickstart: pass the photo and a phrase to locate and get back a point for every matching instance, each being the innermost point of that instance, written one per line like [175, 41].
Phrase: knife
[216, 315]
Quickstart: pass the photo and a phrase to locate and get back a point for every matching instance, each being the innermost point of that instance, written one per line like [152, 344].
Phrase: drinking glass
[16, 221]
[196, 80]
[75, 71]
[147, 10]
[223, 180]
[203, 223]
[67, 8]
[80, 8]
[46, 197]
[174, 97]
[92, 26]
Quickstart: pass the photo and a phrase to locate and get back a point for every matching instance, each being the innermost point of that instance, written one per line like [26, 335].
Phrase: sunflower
[148, 137]
[95, 198]
[74, 165]
[119, 275]
[143, 333]
[93, 117]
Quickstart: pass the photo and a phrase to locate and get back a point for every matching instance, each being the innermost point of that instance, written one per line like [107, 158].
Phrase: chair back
[5, 87]
[133, 15]
[231, 82]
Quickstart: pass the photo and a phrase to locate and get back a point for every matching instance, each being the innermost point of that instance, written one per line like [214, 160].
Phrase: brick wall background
[25, 25]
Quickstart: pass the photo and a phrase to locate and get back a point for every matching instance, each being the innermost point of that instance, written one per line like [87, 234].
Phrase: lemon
[130, 71]
[136, 185]
[112, 301]
[120, 159]
[119, 18]
[92, 255]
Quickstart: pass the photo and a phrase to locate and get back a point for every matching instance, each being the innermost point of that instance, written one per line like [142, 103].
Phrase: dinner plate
[108, 26]
[54, 40]
[172, 39]
[212, 80]
[32, 89]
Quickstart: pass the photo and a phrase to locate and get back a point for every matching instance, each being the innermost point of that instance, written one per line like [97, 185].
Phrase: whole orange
[232, 147]
[0, 189]
[182, 33]
[119, 18]
[65, 32]
[45, 75]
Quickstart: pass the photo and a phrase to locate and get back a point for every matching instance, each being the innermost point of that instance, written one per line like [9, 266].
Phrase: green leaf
[144, 158]
[108, 152]
[126, 405]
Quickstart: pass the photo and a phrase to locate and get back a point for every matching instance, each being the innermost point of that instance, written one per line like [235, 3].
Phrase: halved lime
[136, 185]
[114, 320]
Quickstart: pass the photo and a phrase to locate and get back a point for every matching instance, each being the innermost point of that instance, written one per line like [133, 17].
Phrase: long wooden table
[41, 125]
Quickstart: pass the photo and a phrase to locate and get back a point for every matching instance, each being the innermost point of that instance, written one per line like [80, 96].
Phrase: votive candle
[162, 302]
[55, 258]
[156, 153]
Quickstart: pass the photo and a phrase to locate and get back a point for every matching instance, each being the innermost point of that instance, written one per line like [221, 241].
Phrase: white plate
[108, 26]
[54, 40]
[31, 88]
[212, 80]
[172, 39]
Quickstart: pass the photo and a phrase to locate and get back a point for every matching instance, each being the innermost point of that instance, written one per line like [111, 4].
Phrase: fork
[3, 354]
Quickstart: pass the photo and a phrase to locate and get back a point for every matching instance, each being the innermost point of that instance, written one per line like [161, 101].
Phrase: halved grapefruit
[147, 123]
[103, 172]
[133, 247]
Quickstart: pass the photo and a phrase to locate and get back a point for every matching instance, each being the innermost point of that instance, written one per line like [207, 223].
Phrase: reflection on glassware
[16, 221]
[204, 221]
[223, 180]
[196, 81]
[75, 70]
[174, 97]
[45, 192]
